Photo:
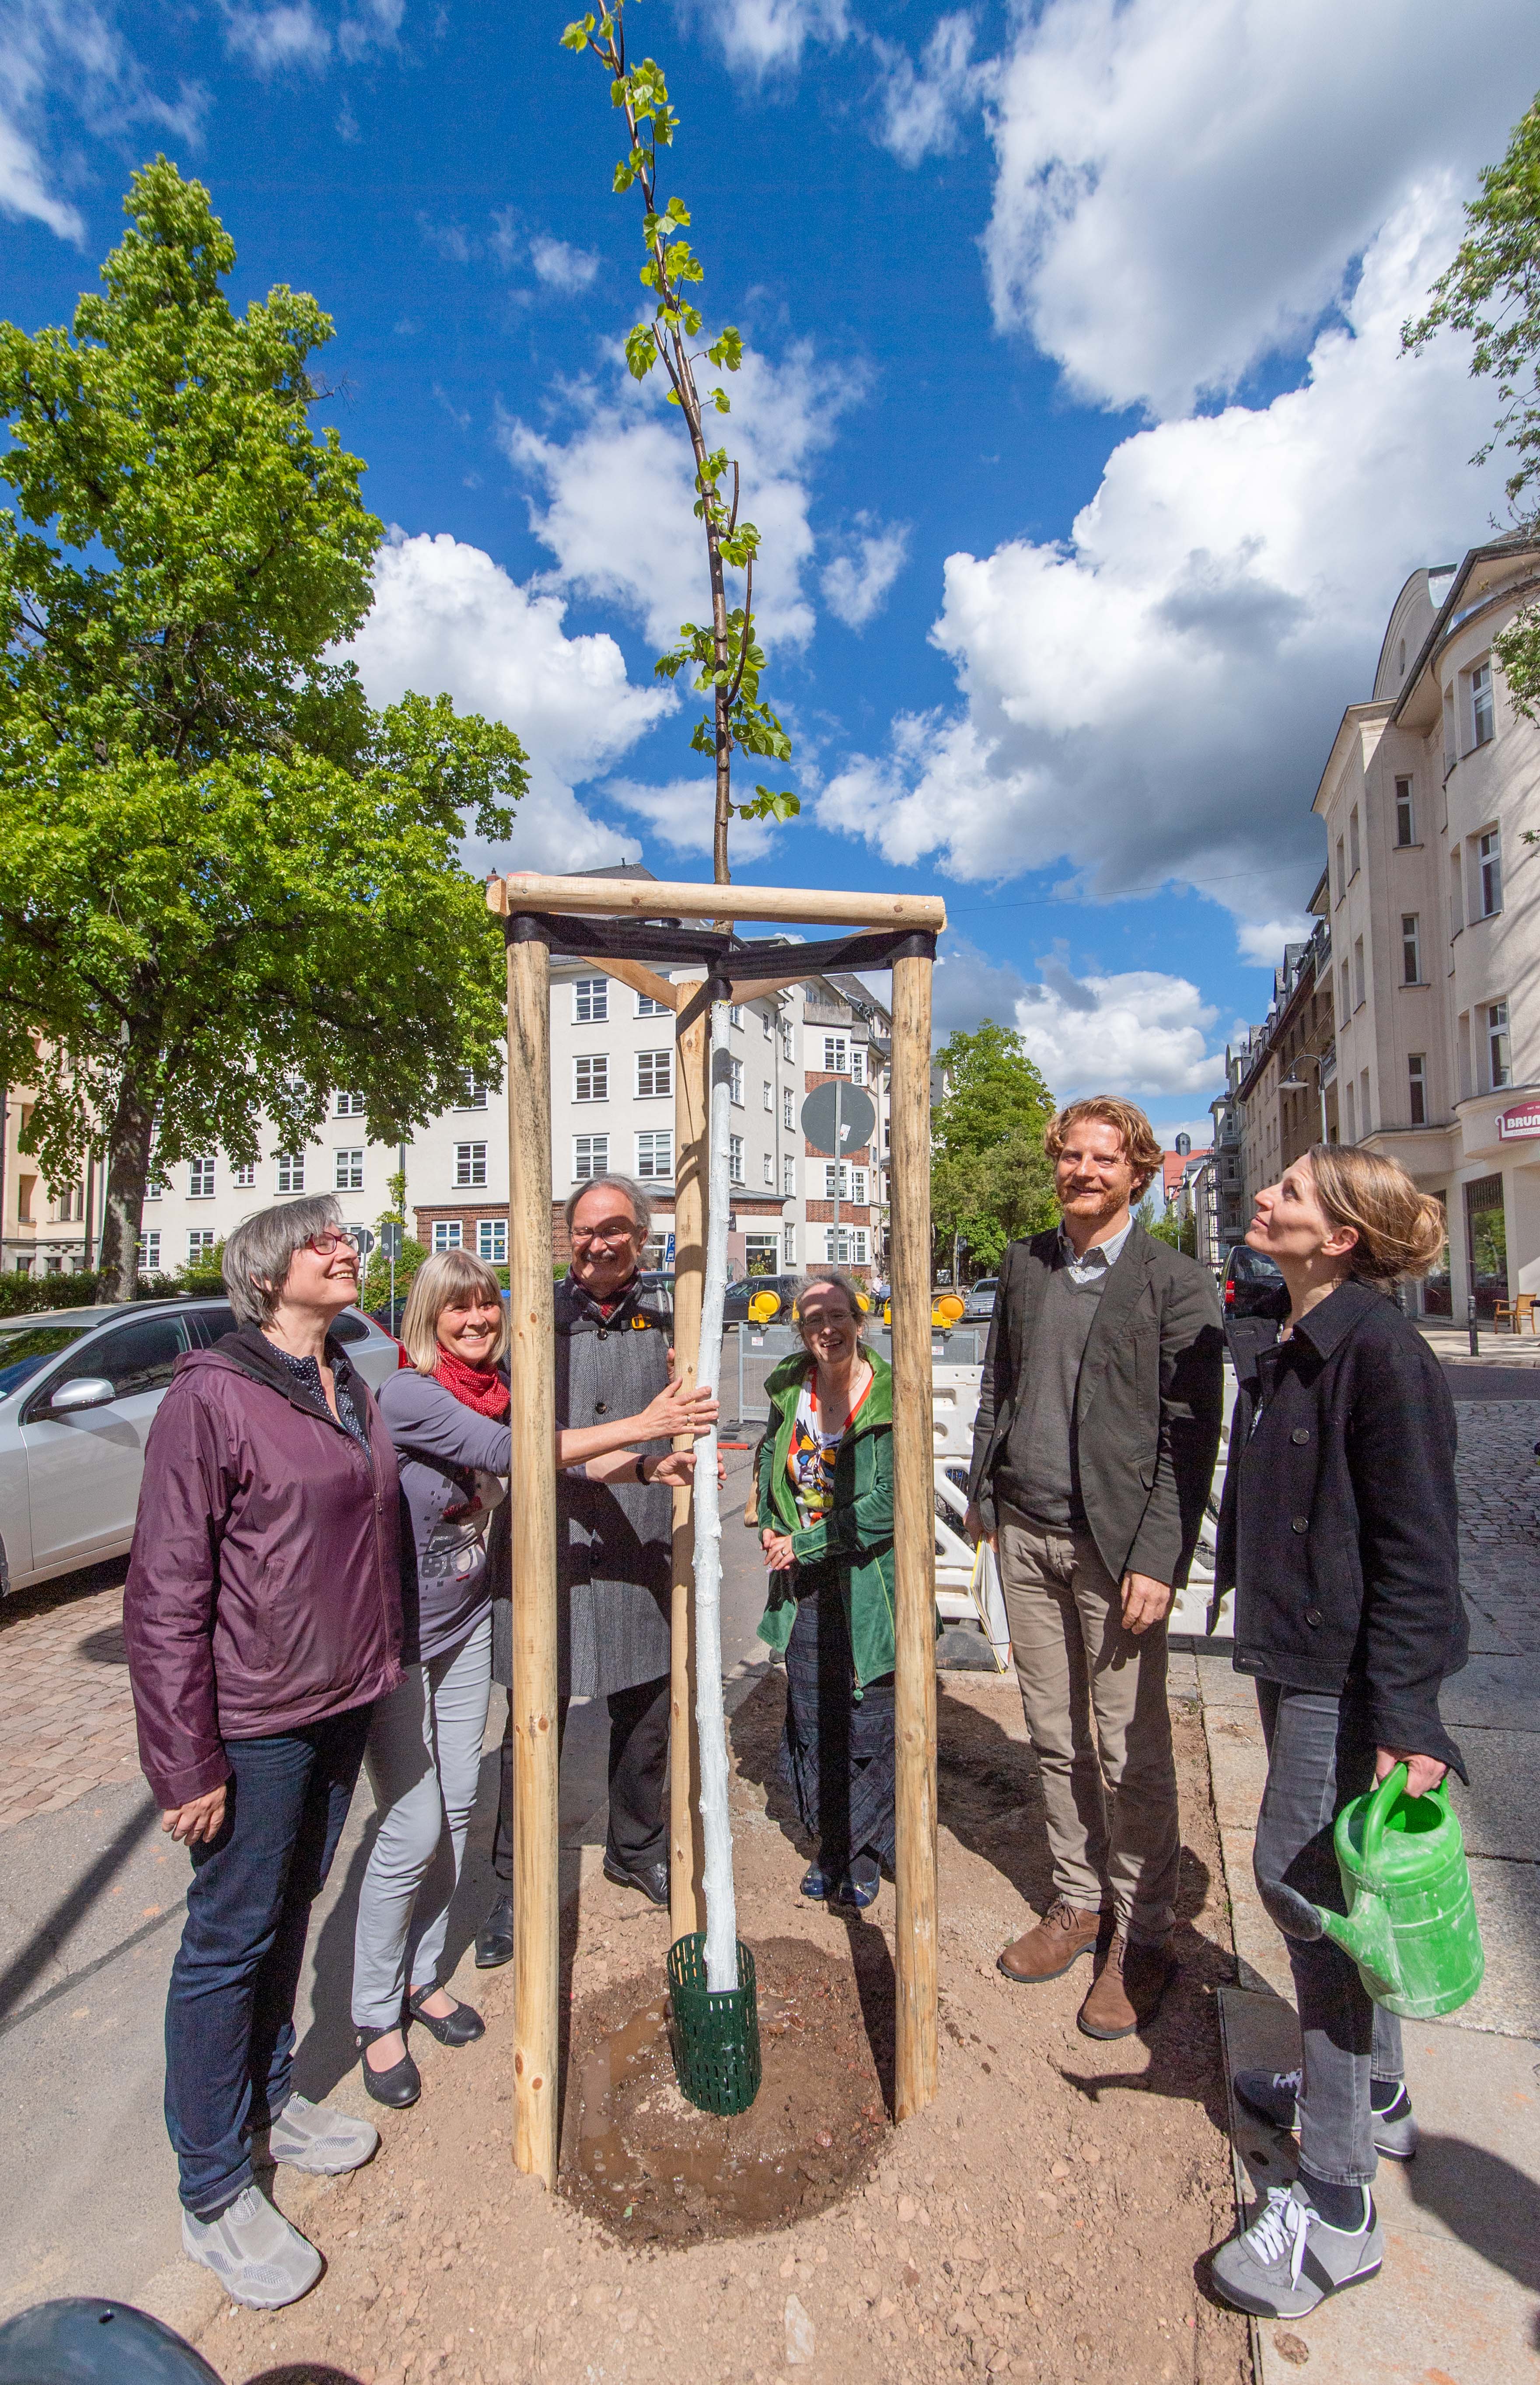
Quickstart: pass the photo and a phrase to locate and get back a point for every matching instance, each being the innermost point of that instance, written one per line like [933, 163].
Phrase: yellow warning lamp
[946, 1310]
[763, 1307]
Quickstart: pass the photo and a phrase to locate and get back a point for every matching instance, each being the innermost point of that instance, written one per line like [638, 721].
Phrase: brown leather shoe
[1064, 1934]
[1127, 1991]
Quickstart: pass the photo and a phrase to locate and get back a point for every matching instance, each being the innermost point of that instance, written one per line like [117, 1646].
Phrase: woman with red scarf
[447, 1414]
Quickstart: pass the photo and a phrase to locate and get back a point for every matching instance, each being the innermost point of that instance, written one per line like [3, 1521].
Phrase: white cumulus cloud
[617, 494]
[448, 620]
[921, 107]
[1182, 190]
[67, 58]
[1141, 1033]
[856, 582]
[1152, 699]
[275, 39]
[560, 266]
[680, 812]
[767, 37]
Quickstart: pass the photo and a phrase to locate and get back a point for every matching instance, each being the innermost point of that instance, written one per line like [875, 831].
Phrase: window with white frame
[768, 1023]
[350, 1105]
[590, 1156]
[472, 1093]
[1352, 1134]
[1417, 1087]
[492, 1241]
[200, 1181]
[591, 1077]
[770, 1170]
[154, 1183]
[290, 1171]
[735, 1084]
[1411, 948]
[590, 1001]
[654, 1154]
[785, 1039]
[200, 1239]
[1489, 868]
[1406, 818]
[769, 1095]
[788, 1113]
[470, 1163]
[858, 1064]
[788, 1179]
[1499, 1052]
[1342, 869]
[646, 1008]
[244, 1175]
[845, 1245]
[836, 1055]
[1484, 718]
[788, 1245]
[1457, 905]
[735, 1158]
[149, 1252]
[734, 1013]
[654, 1075]
[1359, 996]
[1353, 843]
[446, 1233]
[852, 1183]
[350, 1171]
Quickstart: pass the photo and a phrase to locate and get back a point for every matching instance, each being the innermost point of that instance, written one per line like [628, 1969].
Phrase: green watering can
[1411, 1924]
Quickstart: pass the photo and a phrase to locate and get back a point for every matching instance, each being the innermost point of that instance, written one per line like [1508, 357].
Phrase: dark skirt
[837, 1750]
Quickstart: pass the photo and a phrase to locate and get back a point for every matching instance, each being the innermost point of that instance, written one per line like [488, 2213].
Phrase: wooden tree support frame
[633, 930]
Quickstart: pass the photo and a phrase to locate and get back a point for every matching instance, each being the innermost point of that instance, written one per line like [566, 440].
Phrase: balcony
[1328, 1068]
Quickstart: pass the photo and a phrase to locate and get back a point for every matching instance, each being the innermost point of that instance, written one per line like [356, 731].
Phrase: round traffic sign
[857, 1118]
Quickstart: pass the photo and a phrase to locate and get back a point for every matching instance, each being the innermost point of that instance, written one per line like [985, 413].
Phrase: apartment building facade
[44, 1226]
[1280, 1091]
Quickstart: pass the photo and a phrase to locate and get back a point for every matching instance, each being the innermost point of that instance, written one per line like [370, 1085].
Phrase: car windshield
[22, 1353]
[1253, 1267]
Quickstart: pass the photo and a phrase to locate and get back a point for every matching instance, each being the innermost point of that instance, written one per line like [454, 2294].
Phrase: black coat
[1148, 1402]
[1338, 1530]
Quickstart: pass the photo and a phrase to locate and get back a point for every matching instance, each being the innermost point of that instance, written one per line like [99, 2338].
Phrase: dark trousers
[837, 1752]
[638, 1832]
[229, 2011]
[1320, 1756]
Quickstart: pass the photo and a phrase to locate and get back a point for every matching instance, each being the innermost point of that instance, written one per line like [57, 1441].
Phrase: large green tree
[227, 884]
[990, 1177]
[1492, 291]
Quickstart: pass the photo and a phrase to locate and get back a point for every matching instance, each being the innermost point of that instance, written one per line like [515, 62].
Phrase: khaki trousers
[1094, 1700]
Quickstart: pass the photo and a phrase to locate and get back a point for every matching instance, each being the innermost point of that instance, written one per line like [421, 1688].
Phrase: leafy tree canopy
[991, 1180]
[227, 884]
[994, 1091]
[1492, 291]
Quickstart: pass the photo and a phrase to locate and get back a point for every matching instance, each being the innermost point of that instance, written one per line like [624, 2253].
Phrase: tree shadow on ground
[1485, 2202]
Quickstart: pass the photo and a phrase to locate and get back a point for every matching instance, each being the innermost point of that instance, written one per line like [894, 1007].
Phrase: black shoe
[461, 2026]
[651, 1879]
[398, 2086]
[495, 1938]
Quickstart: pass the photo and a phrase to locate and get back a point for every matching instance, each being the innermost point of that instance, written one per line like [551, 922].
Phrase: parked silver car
[981, 1297]
[79, 1389]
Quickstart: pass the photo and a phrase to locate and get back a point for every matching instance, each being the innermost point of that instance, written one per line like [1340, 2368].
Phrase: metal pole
[1471, 1325]
[838, 1164]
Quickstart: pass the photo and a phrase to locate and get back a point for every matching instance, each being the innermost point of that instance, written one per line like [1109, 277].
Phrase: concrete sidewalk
[1457, 2301]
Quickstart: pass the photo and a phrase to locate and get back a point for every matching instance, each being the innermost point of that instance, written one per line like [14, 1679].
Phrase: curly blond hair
[1140, 1147]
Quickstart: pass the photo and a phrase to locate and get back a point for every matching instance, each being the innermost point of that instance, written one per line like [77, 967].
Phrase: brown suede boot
[1064, 1934]
[1127, 1991]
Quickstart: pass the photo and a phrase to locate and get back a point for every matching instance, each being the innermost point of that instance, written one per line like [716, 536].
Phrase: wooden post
[914, 1540]
[536, 1898]
[692, 1093]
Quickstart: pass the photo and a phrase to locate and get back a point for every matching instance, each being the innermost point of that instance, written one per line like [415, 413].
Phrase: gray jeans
[1320, 1756]
[1094, 1700]
[424, 1758]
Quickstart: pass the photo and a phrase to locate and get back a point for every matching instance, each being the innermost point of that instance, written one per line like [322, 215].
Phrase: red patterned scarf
[481, 1388]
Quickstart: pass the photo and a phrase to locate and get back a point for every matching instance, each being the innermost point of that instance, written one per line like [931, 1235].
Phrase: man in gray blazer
[1098, 1429]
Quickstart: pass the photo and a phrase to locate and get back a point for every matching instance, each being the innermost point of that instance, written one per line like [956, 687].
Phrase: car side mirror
[85, 1391]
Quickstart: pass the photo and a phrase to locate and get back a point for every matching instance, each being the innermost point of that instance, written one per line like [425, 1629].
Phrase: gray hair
[831, 1278]
[258, 1255]
[641, 1206]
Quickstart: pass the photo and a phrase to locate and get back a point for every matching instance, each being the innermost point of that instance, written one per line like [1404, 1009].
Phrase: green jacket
[855, 1541]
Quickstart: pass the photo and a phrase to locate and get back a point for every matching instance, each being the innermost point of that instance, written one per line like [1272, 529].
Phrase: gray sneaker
[1274, 2095]
[258, 2257]
[315, 2137]
[1289, 2260]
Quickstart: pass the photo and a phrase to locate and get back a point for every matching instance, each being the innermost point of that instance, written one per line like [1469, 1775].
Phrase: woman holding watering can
[1337, 1533]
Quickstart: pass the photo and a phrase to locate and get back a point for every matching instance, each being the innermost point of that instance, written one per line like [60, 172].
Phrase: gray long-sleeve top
[451, 1461]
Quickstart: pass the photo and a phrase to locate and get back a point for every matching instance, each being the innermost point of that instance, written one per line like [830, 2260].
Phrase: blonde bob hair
[1140, 1147]
[831, 1280]
[1400, 1231]
[449, 1280]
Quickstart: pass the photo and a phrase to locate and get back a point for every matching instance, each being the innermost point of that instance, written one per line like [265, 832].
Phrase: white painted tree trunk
[722, 1913]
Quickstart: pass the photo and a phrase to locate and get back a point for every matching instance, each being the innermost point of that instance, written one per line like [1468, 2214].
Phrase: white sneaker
[1289, 2260]
[251, 2248]
[318, 2138]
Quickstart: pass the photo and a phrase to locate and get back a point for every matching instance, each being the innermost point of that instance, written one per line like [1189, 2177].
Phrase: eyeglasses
[606, 1234]
[327, 1245]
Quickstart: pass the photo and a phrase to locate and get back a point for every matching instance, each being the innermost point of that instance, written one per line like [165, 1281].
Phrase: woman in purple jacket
[447, 1415]
[263, 1619]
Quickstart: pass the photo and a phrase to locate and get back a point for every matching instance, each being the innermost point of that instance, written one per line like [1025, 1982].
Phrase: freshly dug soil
[653, 2169]
[1048, 2217]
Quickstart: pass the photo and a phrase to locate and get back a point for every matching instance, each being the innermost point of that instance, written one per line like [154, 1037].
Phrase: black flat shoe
[398, 2086]
[462, 2027]
[651, 1880]
[495, 1938]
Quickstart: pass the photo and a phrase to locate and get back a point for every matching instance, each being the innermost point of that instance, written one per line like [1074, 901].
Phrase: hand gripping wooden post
[536, 1902]
[540, 911]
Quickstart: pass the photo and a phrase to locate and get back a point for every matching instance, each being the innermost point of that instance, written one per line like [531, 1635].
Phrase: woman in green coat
[825, 1511]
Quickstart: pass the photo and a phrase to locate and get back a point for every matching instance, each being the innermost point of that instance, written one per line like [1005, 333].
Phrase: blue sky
[1073, 422]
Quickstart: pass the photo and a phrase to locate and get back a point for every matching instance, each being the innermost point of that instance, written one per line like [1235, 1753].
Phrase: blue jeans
[229, 2011]
[1320, 1756]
